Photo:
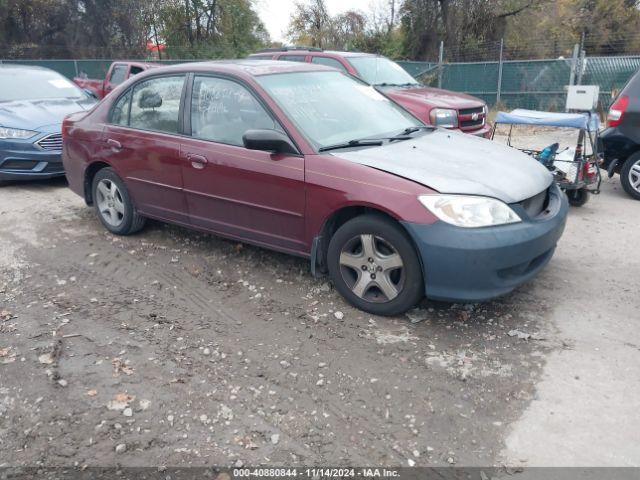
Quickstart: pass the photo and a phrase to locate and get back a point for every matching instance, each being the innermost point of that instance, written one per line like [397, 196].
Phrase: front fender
[334, 184]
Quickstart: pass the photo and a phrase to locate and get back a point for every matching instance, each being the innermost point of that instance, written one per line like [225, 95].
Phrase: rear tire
[113, 204]
[578, 197]
[374, 266]
[630, 176]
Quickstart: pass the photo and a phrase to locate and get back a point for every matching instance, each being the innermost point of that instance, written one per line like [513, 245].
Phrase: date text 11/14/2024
[316, 473]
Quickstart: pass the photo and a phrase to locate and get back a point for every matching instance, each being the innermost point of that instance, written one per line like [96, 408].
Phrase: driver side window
[223, 110]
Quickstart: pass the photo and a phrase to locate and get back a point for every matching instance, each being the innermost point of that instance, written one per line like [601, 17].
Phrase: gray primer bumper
[472, 265]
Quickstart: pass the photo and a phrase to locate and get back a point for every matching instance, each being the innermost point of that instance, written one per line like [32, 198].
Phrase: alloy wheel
[372, 268]
[110, 203]
[634, 176]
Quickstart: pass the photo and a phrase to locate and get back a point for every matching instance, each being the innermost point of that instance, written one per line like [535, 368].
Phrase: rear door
[141, 142]
[246, 194]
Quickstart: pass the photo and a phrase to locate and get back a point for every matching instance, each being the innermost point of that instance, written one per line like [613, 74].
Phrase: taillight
[590, 171]
[616, 112]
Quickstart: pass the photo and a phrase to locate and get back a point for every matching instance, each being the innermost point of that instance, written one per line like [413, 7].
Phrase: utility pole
[581, 59]
[440, 63]
[574, 64]
[499, 90]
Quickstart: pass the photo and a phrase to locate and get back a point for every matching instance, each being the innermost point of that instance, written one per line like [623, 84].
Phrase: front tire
[113, 204]
[374, 266]
[630, 176]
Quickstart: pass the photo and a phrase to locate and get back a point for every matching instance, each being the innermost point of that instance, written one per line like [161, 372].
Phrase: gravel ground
[173, 347]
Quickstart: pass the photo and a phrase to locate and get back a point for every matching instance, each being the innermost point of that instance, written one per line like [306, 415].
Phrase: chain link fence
[534, 76]
[533, 83]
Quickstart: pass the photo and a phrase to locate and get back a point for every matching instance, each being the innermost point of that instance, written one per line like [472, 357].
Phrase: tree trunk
[196, 14]
[187, 11]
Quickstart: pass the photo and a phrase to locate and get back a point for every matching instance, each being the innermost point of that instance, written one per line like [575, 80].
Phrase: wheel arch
[634, 151]
[89, 174]
[338, 218]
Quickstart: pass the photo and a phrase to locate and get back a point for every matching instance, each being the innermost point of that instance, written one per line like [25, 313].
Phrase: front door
[141, 143]
[246, 194]
[117, 76]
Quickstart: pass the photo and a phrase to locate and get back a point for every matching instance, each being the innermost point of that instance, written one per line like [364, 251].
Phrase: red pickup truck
[442, 108]
[118, 72]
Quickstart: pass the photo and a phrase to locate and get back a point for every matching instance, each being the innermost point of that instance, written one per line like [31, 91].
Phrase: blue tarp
[550, 119]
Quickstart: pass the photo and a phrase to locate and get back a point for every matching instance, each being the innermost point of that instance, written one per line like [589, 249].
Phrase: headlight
[468, 211]
[6, 132]
[444, 117]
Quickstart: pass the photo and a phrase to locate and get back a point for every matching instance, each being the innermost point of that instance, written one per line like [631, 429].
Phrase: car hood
[34, 114]
[433, 97]
[452, 162]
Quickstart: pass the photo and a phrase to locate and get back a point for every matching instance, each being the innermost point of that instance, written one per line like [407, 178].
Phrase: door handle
[197, 161]
[114, 144]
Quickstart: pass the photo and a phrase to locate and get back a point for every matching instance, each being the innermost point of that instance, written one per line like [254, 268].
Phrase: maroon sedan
[306, 160]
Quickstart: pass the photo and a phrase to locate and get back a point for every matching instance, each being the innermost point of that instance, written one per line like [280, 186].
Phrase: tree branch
[518, 10]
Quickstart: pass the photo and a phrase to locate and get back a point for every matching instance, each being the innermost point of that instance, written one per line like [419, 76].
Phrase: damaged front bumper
[478, 264]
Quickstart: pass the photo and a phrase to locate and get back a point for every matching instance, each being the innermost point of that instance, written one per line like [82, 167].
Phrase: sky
[275, 13]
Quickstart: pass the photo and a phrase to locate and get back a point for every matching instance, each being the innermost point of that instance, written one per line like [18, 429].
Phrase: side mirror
[268, 141]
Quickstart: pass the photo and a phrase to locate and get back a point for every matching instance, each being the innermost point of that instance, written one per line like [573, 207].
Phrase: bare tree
[464, 24]
[310, 23]
[346, 30]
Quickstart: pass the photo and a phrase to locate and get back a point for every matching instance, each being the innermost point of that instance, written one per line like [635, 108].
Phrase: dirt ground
[173, 347]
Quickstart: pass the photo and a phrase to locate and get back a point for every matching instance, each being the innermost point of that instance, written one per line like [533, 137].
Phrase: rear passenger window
[223, 110]
[120, 110]
[117, 74]
[156, 104]
[329, 62]
[292, 58]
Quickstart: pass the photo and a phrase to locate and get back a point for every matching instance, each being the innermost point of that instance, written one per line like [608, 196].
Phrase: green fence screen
[534, 84]
[73, 68]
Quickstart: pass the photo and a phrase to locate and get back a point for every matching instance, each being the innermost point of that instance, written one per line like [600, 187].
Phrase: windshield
[331, 108]
[381, 70]
[35, 84]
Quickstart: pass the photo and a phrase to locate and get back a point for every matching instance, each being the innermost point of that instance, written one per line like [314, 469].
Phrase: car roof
[19, 67]
[248, 67]
[294, 52]
[351, 54]
[139, 63]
